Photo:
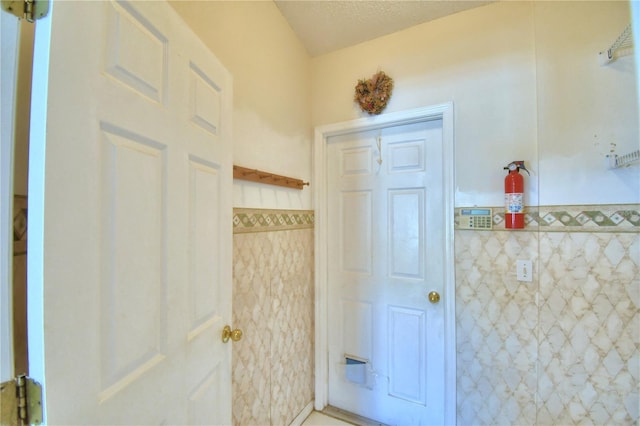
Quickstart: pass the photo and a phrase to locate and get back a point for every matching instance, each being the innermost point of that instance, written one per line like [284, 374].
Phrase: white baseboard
[303, 415]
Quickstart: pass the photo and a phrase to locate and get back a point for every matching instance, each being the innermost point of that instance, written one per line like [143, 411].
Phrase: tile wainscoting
[563, 349]
[273, 301]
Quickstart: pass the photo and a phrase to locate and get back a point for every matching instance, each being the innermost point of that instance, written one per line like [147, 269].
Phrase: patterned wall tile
[292, 307]
[561, 350]
[273, 304]
[496, 320]
[589, 328]
[251, 312]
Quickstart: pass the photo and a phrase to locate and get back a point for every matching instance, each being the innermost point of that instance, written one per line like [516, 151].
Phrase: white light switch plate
[524, 270]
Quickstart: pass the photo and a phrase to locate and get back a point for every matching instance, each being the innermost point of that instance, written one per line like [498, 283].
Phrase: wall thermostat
[475, 219]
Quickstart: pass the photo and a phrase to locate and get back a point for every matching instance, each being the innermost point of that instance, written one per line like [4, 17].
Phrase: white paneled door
[130, 218]
[386, 253]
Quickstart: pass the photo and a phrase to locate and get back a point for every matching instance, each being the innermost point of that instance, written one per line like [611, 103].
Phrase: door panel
[136, 52]
[136, 213]
[134, 170]
[204, 224]
[385, 214]
[356, 232]
[357, 320]
[406, 233]
[407, 378]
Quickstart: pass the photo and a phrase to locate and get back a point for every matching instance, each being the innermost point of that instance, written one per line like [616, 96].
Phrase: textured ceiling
[327, 25]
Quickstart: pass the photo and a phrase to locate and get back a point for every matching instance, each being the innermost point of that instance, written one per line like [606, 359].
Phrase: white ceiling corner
[327, 25]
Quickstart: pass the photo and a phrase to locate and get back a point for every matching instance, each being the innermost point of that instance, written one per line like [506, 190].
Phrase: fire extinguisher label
[513, 203]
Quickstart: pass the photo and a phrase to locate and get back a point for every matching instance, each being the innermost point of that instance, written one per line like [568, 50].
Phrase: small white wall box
[475, 218]
[524, 270]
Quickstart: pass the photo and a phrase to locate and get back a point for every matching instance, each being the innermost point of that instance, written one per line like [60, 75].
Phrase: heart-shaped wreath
[372, 95]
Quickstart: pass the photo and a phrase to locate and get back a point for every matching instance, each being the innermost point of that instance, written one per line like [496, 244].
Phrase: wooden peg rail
[266, 177]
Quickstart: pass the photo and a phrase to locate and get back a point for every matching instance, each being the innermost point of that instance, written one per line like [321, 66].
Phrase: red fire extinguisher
[514, 196]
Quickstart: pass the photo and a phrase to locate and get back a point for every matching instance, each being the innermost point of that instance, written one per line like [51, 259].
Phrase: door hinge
[20, 402]
[29, 10]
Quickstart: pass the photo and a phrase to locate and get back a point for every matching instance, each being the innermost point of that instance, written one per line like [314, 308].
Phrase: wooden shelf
[259, 176]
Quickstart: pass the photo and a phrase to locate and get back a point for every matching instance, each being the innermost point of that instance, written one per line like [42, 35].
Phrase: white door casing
[9, 27]
[129, 218]
[363, 298]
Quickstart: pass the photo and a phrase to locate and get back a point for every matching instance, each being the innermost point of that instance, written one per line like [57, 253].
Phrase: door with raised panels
[130, 218]
[386, 271]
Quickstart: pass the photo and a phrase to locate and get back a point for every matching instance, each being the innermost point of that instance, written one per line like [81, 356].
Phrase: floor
[319, 419]
[332, 416]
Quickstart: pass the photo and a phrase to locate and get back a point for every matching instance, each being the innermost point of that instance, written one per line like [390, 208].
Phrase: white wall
[526, 85]
[585, 110]
[23, 106]
[524, 78]
[272, 123]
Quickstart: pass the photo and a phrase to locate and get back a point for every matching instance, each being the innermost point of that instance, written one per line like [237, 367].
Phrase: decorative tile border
[591, 218]
[263, 220]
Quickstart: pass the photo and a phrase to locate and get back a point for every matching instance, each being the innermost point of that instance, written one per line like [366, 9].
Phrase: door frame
[442, 112]
[10, 36]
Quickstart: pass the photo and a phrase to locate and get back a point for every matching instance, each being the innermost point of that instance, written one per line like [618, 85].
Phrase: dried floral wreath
[372, 95]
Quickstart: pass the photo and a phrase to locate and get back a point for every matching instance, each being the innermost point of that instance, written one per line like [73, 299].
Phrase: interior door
[386, 254]
[129, 218]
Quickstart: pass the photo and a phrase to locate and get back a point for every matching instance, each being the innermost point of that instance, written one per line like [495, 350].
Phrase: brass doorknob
[434, 297]
[234, 335]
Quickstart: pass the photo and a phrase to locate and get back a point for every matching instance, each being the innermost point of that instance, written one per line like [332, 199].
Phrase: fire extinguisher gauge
[516, 165]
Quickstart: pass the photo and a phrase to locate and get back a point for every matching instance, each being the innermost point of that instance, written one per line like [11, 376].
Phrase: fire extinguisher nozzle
[521, 166]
